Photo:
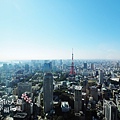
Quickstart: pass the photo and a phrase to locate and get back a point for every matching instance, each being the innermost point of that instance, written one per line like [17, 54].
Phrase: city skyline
[49, 29]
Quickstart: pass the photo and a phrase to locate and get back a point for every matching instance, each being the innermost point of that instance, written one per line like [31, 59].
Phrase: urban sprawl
[60, 90]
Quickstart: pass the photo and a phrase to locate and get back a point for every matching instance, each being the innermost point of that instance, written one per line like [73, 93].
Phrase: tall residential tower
[101, 80]
[78, 99]
[48, 92]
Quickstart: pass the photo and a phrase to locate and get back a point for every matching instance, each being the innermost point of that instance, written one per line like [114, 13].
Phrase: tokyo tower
[72, 71]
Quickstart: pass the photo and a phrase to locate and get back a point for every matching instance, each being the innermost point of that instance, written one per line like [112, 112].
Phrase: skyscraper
[78, 99]
[101, 77]
[117, 65]
[26, 67]
[85, 65]
[94, 92]
[48, 92]
[110, 110]
[24, 87]
[92, 66]
[47, 67]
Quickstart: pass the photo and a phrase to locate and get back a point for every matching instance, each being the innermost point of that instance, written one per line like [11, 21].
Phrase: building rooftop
[48, 74]
[110, 103]
[65, 106]
[20, 115]
[93, 87]
[78, 87]
[115, 79]
[9, 118]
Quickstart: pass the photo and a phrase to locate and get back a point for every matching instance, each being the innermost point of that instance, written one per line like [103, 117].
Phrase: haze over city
[49, 29]
[59, 60]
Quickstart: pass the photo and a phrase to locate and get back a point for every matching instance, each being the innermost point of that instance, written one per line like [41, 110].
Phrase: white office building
[110, 110]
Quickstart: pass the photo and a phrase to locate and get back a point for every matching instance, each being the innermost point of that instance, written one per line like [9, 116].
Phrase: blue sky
[49, 29]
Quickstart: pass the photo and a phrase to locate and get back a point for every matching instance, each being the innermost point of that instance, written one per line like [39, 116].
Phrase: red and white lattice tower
[72, 71]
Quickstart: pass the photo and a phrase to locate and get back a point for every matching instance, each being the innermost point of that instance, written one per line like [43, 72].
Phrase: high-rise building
[78, 99]
[94, 92]
[24, 87]
[117, 96]
[5, 66]
[101, 77]
[92, 66]
[61, 64]
[47, 67]
[85, 66]
[110, 110]
[26, 67]
[117, 65]
[53, 63]
[48, 92]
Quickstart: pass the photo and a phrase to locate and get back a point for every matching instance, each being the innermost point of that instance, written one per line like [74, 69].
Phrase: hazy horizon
[49, 29]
